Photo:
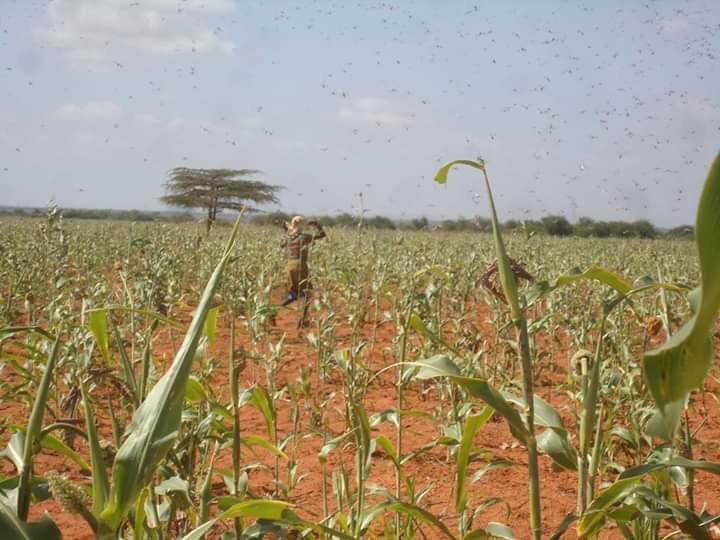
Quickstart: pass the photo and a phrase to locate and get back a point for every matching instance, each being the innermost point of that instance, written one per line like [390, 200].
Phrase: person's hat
[296, 224]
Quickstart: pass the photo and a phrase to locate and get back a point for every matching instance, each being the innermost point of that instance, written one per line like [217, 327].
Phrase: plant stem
[236, 422]
[533, 472]
[509, 286]
[587, 420]
[323, 471]
[596, 455]
[688, 453]
[34, 427]
[400, 405]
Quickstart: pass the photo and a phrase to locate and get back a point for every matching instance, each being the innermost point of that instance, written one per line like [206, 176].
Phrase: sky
[603, 109]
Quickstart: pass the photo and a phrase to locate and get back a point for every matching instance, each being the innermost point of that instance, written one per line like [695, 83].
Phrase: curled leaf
[681, 364]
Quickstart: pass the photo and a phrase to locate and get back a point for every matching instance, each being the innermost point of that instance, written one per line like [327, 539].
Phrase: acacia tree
[216, 190]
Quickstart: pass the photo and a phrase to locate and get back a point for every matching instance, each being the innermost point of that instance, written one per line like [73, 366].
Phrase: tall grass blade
[507, 278]
[127, 368]
[156, 422]
[509, 287]
[263, 402]
[97, 321]
[472, 425]
[100, 484]
[33, 431]
[211, 325]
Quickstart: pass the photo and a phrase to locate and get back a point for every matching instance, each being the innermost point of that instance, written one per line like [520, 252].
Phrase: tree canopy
[217, 189]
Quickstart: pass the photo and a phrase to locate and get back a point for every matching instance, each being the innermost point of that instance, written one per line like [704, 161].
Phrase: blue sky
[609, 110]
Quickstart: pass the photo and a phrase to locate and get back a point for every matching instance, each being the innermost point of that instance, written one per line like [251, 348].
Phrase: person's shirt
[296, 244]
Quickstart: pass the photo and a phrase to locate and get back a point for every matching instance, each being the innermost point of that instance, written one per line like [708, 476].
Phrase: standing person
[296, 244]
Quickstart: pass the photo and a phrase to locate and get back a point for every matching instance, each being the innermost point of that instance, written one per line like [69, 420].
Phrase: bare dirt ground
[432, 468]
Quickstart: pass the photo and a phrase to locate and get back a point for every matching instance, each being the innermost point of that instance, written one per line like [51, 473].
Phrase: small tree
[557, 226]
[216, 190]
[419, 223]
[644, 229]
[380, 222]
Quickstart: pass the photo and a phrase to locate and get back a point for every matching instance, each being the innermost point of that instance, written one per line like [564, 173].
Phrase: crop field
[152, 387]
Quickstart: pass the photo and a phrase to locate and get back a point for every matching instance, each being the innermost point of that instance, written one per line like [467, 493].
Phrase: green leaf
[416, 323]
[331, 445]
[685, 463]
[154, 315]
[271, 511]
[33, 432]
[625, 434]
[545, 414]
[681, 364]
[497, 464]
[194, 391]
[564, 526]
[543, 288]
[477, 534]
[688, 521]
[507, 278]
[555, 441]
[139, 522]
[662, 424]
[14, 449]
[263, 402]
[393, 415]
[417, 513]
[498, 530]
[9, 490]
[257, 440]
[97, 321]
[264, 529]
[199, 532]
[156, 422]
[174, 484]
[597, 512]
[472, 425]
[12, 528]
[362, 432]
[624, 512]
[389, 449]
[127, 368]
[700, 464]
[211, 324]
[557, 446]
[53, 443]
[442, 173]
[442, 366]
[388, 415]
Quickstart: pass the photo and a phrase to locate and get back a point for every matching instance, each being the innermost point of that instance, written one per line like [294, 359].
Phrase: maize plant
[450, 385]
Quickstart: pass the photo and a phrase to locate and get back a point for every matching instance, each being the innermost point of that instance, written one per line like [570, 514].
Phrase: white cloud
[103, 31]
[203, 6]
[93, 110]
[375, 111]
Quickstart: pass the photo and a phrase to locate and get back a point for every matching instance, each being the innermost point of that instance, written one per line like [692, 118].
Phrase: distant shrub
[557, 226]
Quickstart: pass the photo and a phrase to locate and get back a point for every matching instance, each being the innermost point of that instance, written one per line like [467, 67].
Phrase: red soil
[434, 467]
